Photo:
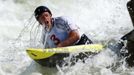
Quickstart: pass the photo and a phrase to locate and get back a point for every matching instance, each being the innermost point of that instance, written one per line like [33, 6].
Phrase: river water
[101, 20]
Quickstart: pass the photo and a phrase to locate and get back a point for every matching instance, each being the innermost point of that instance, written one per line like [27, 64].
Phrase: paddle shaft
[130, 7]
[125, 37]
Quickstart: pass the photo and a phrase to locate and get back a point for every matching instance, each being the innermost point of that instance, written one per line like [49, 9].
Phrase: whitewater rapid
[101, 20]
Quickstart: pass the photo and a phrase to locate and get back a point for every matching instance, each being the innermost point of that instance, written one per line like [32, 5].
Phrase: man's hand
[59, 45]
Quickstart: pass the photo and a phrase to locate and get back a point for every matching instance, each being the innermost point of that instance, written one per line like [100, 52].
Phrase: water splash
[102, 19]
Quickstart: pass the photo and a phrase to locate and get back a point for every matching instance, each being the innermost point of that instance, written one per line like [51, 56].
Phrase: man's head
[39, 10]
[43, 15]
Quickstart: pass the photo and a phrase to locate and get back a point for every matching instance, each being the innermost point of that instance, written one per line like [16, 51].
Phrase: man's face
[45, 19]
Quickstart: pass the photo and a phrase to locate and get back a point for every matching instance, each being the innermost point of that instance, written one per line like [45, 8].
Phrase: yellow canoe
[44, 54]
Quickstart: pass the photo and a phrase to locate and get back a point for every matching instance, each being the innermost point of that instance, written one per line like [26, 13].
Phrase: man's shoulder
[62, 18]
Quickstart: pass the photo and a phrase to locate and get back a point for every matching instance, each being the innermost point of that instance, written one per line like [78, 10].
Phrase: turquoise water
[101, 20]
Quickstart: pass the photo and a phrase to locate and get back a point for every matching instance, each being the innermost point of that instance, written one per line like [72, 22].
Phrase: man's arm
[73, 37]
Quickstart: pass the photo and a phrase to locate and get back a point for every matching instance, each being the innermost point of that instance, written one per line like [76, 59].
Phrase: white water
[102, 19]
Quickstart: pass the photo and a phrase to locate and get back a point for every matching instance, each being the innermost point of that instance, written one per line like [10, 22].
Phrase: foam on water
[101, 20]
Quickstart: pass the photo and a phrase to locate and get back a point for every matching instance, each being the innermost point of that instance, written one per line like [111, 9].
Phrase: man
[59, 31]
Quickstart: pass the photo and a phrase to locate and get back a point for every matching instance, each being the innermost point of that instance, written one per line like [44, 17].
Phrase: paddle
[130, 7]
[116, 46]
[126, 37]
